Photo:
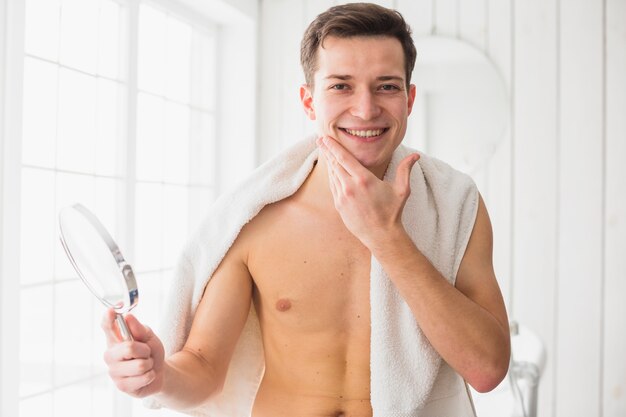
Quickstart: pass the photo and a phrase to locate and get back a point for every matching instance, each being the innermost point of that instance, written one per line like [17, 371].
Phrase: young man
[306, 261]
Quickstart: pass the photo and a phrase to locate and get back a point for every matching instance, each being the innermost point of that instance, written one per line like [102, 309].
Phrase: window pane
[108, 128]
[151, 56]
[36, 339]
[148, 227]
[175, 222]
[38, 226]
[150, 306]
[71, 189]
[77, 121]
[109, 39]
[39, 122]
[99, 340]
[75, 188]
[178, 60]
[103, 397]
[73, 331]
[79, 34]
[107, 205]
[204, 70]
[200, 199]
[36, 406]
[203, 150]
[176, 143]
[150, 137]
[74, 400]
[41, 35]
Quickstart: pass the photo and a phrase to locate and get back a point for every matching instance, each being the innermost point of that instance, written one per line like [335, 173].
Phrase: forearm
[466, 335]
[188, 381]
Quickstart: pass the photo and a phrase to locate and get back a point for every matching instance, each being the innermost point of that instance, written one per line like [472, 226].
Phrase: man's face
[360, 97]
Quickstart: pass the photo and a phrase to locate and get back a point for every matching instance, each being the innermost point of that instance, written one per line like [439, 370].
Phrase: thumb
[403, 172]
[140, 332]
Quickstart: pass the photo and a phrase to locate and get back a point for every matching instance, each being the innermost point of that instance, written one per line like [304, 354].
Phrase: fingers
[344, 158]
[135, 367]
[131, 366]
[140, 332]
[126, 351]
[338, 177]
[340, 180]
[333, 183]
[133, 385]
[403, 173]
[110, 328]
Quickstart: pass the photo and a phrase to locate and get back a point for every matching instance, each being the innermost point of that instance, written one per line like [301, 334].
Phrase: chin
[372, 162]
[368, 154]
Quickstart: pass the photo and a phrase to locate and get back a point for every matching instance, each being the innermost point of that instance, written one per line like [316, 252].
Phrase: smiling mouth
[365, 133]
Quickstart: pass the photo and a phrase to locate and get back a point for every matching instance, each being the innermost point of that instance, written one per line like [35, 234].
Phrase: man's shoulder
[284, 212]
[266, 217]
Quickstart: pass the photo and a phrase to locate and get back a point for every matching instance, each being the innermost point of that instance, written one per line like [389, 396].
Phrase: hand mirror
[98, 261]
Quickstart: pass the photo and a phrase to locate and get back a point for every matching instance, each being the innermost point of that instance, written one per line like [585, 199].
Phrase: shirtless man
[305, 261]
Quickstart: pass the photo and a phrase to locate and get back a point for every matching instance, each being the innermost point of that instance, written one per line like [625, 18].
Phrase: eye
[389, 87]
[339, 87]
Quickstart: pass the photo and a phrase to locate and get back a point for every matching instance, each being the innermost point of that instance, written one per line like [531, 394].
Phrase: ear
[411, 98]
[306, 98]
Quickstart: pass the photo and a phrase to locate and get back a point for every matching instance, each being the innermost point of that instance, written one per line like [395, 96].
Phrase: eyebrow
[349, 77]
[390, 78]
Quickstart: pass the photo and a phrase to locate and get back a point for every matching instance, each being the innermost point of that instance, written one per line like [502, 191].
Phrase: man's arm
[466, 324]
[198, 371]
[189, 377]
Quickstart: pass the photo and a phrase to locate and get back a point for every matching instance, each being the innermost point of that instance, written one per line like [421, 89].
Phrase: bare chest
[310, 274]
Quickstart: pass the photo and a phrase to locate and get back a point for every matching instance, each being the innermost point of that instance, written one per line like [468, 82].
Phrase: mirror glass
[98, 261]
[461, 110]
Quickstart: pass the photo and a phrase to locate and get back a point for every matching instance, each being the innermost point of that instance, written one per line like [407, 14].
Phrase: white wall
[555, 188]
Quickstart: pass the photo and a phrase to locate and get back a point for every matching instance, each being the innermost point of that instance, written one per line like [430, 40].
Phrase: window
[118, 113]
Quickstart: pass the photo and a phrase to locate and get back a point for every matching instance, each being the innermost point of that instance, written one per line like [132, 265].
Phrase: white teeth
[366, 133]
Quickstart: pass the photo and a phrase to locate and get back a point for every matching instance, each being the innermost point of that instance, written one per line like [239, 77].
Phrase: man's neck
[317, 186]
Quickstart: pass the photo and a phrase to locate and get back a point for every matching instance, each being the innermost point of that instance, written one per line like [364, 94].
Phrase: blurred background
[146, 110]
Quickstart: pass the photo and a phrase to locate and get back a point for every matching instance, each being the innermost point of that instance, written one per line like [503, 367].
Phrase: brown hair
[355, 19]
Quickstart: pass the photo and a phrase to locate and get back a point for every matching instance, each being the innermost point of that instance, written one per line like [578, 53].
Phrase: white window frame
[11, 53]
[238, 51]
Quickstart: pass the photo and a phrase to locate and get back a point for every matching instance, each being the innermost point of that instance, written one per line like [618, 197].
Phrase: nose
[365, 105]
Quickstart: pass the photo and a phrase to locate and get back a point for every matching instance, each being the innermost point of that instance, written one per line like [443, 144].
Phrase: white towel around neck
[439, 216]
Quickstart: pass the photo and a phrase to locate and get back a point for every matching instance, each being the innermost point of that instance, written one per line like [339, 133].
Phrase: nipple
[283, 304]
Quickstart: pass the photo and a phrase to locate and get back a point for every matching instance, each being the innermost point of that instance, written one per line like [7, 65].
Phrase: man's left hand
[370, 208]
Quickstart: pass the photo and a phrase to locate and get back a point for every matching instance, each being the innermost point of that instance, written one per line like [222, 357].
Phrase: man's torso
[311, 294]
